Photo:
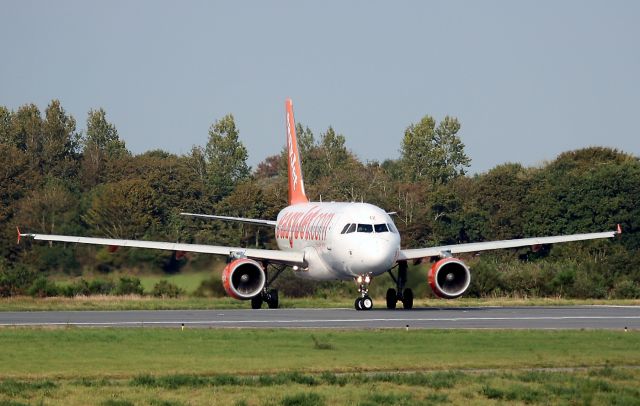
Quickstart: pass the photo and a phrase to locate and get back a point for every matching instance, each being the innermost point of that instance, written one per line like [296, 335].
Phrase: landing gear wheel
[272, 299]
[256, 301]
[407, 299]
[358, 304]
[366, 303]
[392, 298]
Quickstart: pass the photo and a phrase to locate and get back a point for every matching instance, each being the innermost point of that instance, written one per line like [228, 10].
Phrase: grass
[133, 302]
[131, 352]
[188, 281]
[483, 388]
[77, 366]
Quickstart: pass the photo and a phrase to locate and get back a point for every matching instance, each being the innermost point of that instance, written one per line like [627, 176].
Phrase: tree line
[59, 180]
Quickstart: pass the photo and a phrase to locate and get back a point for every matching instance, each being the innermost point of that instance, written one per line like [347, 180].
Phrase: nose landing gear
[364, 302]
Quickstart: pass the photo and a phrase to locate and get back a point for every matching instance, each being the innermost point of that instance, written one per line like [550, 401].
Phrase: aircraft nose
[378, 255]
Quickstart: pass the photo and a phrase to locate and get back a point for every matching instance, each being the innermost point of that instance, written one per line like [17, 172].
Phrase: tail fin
[296, 184]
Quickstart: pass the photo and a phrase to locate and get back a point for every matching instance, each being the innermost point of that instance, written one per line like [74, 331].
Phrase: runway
[528, 317]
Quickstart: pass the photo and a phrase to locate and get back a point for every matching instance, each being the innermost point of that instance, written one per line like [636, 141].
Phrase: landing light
[367, 279]
[359, 279]
[295, 267]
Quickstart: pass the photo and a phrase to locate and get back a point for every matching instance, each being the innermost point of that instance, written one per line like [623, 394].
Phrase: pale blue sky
[526, 79]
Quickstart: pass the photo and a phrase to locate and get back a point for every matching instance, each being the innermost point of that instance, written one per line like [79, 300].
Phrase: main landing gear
[364, 302]
[268, 295]
[402, 294]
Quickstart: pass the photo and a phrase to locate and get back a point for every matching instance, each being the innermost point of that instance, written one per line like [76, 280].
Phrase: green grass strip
[127, 353]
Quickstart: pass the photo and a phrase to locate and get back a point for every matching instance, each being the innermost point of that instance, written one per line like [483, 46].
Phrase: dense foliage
[56, 179]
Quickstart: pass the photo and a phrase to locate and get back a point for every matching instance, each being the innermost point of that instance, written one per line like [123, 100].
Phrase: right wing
[261, 222]
[275, 256]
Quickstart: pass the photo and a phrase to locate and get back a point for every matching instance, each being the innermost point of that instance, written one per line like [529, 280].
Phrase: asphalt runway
[528, 317]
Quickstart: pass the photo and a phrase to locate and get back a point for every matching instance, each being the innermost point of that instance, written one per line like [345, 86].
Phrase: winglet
[296, 185]
[619, 230]
[19, 235]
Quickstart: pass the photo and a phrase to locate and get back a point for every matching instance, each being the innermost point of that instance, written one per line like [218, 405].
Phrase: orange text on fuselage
[309, 225]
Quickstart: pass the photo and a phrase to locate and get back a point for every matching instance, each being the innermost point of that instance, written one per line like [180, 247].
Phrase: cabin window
[365, 228]
[381, 228]
[352, 228]
[344, 230]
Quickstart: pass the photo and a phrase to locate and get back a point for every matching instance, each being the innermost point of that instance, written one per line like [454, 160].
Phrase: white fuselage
[340, 240]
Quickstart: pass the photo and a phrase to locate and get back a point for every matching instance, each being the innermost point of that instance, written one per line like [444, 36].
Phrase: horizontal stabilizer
[271, 223]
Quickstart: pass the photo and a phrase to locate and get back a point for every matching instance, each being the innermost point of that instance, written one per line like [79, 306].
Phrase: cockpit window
[344, 230]
[392, 228]
[365, 228]
[381, 228]
[352, 228]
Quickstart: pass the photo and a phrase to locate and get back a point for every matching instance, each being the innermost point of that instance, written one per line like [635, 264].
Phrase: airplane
[331, 241]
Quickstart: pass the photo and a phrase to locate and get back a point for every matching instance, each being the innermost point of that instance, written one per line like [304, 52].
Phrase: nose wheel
[364, 302]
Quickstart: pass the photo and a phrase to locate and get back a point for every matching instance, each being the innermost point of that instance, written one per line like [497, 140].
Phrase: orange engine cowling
[243, 278]
[449, 278]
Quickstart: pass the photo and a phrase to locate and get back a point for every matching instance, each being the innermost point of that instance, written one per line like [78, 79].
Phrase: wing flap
[495, 245]
[283, 257]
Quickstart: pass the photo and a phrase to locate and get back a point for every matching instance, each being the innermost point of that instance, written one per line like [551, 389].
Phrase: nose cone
[375, 255]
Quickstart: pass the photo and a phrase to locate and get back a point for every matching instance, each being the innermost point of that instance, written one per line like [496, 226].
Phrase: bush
[626, 289]
[129, 286]
[101, 287]
[15, 280]
[82, 287]
[164, 288]
[43, 287]
[210, 287]
[290, 285]
[78, 288]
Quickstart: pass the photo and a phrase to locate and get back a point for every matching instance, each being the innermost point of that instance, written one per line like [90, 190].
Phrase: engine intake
[243, 278]
[449, 278]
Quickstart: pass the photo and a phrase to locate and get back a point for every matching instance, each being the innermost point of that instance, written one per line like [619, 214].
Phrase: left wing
[448, 250]
[276, 256]
[271, 223]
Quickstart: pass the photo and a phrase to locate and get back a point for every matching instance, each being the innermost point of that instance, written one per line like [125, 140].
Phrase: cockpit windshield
[368, 228]
[381, 228]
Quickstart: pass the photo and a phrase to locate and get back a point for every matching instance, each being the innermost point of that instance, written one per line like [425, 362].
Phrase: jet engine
[243, 278]
[449, 278]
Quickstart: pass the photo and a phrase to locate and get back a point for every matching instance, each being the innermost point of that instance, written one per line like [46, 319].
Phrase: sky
[526, 79]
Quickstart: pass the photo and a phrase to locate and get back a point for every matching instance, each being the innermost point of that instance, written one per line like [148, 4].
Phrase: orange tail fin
[296, 184]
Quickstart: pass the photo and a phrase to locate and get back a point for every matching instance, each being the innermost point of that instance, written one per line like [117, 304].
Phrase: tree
[197, 162]
[306, 140]
[226, 157]
[334, 149]
[101, 144]
[60, 141]
[5, 126]
[103, 134]
[26, 133]
[431, 153]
